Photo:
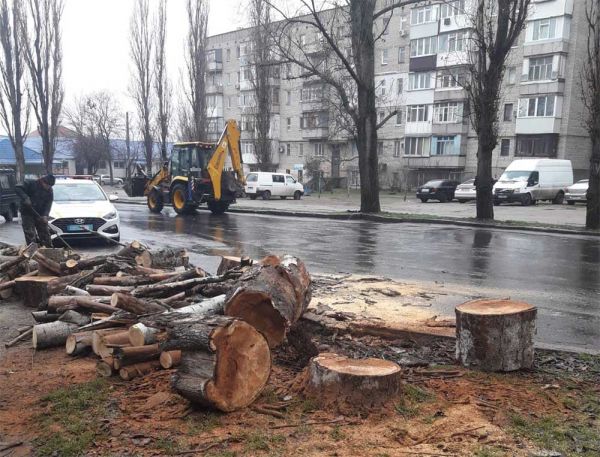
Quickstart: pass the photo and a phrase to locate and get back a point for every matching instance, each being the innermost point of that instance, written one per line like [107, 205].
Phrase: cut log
[57, 302]
[34, 290]
[140, 335]
[225, 362]
[134, 280]
[131, 250]
[139, 369]
[136, 305]
[105, 368]
[70, 290]
[130, 355]
[272, 296]
[495, 335]
[333, 379]
[164, 258]
[107, 342]
[52, 334]
[229, 263]
[44, 316]
[73, 317]
[209, 307]
[47, 265]
[97, 336]
[95, 289]
[78, 343]
[21, 337]
[170, 359]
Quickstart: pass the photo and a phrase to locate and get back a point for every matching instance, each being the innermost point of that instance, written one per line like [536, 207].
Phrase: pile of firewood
[140, 310]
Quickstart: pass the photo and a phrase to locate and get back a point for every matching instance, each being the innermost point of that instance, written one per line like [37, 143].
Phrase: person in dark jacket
[36, 200]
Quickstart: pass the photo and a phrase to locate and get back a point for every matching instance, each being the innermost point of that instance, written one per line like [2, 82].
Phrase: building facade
[420, 63]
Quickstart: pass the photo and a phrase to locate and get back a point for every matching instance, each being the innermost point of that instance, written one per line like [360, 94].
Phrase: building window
[444, 145]
[399, 117]
[508, 112]
[423, 46]
[288, 149]
[544, 29]
[401, 54]
[419, 81]
[511, 75]
[450, 9]
[399, 85]
[417, 113]
[288, 97]
[505, 147]
[384, 57]
[385, 22]
[416, 146]
[450, 79]
[382, 87]
[446, 112]
[453, 42]
[540, 68]
[318, 149]
[228, 55]
[301, 150]
[380, 148]
[289, 123]
[118, 164]
[542, 106]
[312, 94]
[537, 145]
[398, 148]
[422, 15]
[314, 121]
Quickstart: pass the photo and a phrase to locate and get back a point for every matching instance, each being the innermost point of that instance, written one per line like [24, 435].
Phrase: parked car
[9, 202]
[526, 181]
[80, 206]
[104, 180]
[267, 185]
[466, 191]
[577, 192]
[440, 189]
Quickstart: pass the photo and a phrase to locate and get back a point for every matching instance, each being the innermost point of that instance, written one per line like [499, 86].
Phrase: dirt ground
[55, 406]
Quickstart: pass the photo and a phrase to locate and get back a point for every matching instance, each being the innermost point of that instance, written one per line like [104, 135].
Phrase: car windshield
[468, 182]
[515, 176]
[77, 193]
[433, 184]
[252, 177]
[583, 181]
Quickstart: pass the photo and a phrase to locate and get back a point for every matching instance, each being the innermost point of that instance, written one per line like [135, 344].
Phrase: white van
[267, 185]
[528, 180]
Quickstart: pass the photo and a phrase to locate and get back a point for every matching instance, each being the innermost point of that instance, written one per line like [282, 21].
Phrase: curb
[398, 220]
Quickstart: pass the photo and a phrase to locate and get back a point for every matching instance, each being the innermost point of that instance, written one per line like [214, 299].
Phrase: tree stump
[271, 296]
[495, 335]
[351, 384]
[225, 362]
[34, 290]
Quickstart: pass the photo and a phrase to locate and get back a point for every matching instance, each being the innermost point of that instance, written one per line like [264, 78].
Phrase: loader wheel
[155, 201]
[179, 200]
[218, 207]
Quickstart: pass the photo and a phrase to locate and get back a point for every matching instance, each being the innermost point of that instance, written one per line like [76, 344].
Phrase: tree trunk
[351, 383]
[225, 362]
[271, 297]
[485, 183]
[52, 334]
[363, 46]
[592, 220]
[495, 335]
[34, 290]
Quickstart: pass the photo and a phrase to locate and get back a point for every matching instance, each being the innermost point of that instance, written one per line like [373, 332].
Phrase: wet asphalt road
[558, 273]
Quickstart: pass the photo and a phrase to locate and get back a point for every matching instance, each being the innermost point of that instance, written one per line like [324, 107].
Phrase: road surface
[560, 274]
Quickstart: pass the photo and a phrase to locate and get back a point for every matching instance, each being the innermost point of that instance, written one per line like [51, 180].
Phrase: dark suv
[9, 202]
[439, 189]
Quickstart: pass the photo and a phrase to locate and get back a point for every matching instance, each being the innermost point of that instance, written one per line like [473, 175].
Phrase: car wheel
[283, 197]
[559, 199]
[297, 195]
[570, 202]
[155, 201]
[253, 197]
[460, 200]
[266, 195]
[179, 200]
[526, 200]
[217, 208]
[424, 200]
[443, 199]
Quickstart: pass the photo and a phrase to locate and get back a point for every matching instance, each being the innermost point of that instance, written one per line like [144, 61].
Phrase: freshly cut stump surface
[495, 335]
[351, 384]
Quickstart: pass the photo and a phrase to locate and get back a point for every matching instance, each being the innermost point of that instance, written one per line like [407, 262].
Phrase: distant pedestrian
[36, 201]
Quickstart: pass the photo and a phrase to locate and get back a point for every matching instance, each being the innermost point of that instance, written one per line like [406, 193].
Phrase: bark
[130, 355]
[168, 289]
[140, 335]
[52, 334]
[97, 336]
[170, 359]
[133, 280]
[44, 316]
[139, 369]
[95, 289]
[106, 343]
[73, 317]
[34, 290]
[164, 258]
[78, 343]
[105, 368]
[229, 263]
[592, 219]
[209, 307]
[225, 362]
[137, 306]
[272, 296]
[495, 335]
[57, 302]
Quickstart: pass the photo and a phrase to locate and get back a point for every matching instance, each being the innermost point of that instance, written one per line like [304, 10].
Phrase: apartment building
[419, 68]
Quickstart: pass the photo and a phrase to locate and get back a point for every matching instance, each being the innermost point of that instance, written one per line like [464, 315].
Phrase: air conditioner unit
[281, 149]
[447, 21]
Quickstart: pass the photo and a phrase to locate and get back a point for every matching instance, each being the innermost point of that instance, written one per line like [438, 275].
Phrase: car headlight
[111, 215]
[517, 191]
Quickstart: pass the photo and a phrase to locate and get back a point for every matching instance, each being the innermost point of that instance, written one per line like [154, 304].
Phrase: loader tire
[155, 201]
[179, 200]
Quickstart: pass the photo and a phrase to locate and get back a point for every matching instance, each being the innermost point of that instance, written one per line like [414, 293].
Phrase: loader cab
[190, 159]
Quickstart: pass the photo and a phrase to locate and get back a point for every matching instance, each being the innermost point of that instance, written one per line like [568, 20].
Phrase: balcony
[537, 125]
[215, 66]
[543, 47]
[450, 128]
[449, 94]
[452, 59]
[315, 133]
[418, 128]
[246, 85]
[245, 60]
[435, 161]
[424, 63]
[556, 86]
[449, 24]
[313, 105]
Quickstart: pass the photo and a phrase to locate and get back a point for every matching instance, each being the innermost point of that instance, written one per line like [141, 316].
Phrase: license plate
[502, 196]
[425, 191]
[79, 228]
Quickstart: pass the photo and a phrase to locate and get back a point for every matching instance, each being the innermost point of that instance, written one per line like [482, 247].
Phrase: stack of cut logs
[139, 310]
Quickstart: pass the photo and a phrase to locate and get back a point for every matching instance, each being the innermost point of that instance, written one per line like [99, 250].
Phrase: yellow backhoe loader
[195, 175]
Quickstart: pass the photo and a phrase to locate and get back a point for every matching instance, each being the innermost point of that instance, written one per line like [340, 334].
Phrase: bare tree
[162, 85]
[14, 109]
[590, 86]
[43, 55]
[106, 116]
[263, 68]
[496, 26]
[87, 145]
[347, 31]
[141, 84]
[192, 115]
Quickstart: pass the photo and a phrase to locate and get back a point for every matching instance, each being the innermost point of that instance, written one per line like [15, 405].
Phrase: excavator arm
[229, 142]
[158, 178]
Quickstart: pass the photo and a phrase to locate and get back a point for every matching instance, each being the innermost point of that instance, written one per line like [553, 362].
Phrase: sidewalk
[401, 208]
